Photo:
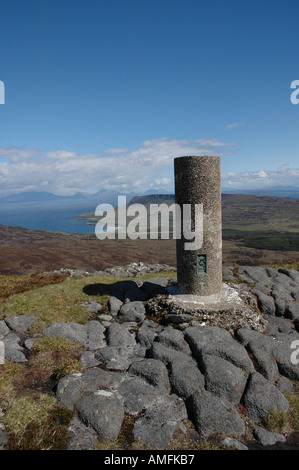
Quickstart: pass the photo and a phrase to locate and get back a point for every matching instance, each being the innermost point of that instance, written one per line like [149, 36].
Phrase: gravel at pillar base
[198, 181]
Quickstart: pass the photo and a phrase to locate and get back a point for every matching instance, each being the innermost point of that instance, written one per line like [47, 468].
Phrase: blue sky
[104, 93]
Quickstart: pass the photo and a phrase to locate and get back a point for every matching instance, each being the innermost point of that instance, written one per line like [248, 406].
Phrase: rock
[147, 333]
[114, 305]
[267, 438]
[227, 274]
[166, 355]
[69, 390]
[214, 415]
[81, 436]
[71, 387]
[261, 350]
[90, 335]
[71, 330]
[94, 307]
[20, 323]
[95, 337]
[153, 371]
[282, 353]
[292, 273]
[265, 302]
[185, 378]
[13, 351]
[257, 274]
[29, 343]
[223, 378]
[103, 411]
[97, 378]
[278, 325]
[4, 330]
[173, 338]
[115, 358]
[292, 311]
[230, 442]
[285, 385]
[117, 335]
[218, 342]
[3, 437]
[132, 311]
[156, 427]
[261, 396]
[2, 352]
[88, 359]
[137, 394]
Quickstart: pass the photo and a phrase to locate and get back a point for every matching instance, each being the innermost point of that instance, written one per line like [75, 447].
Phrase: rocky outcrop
[162, 374]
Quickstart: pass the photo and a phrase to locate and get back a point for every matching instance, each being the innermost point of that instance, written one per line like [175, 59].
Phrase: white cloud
[235, 124]
[283, 176]
[66, 172]
[149, 166]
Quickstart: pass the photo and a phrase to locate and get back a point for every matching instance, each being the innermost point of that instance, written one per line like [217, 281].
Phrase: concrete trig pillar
[198, 181]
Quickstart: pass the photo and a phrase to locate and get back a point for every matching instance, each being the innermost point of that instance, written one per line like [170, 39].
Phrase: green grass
[264, 239]
[57, 302]
[64, 301]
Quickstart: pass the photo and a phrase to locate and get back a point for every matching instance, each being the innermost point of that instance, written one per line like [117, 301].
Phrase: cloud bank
[65, 172]
[283, 176]
[150, 166]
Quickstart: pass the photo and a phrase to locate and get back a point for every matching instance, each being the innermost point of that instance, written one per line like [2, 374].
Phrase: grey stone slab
[71, 330]
[218, 342]
[230, 442]
[3, 329]
[158, 351]
[156, 427]
[114, 305]
[267, 438]
[95, 333]
[81, 437]
[185, 378]
[153, 371]
[132, 311]
[103, 411]
[20, 323]
[261, 396]
[117, 335]
[223, 378]
[214, 415]
[173, 338]
[137, 394]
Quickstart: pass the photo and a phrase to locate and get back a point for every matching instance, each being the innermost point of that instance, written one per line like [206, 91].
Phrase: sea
[56, 216]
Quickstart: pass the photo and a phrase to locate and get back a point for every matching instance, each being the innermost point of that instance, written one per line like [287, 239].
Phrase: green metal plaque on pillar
[201, 265]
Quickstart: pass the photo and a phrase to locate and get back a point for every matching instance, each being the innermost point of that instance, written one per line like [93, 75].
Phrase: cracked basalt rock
[163, 373]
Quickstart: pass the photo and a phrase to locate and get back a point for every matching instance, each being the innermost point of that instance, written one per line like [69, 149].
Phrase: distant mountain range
[283, 191]
[110, 196]
[103, 195]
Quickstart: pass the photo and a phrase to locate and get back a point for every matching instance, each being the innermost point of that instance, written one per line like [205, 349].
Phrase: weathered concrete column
[198, 181]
